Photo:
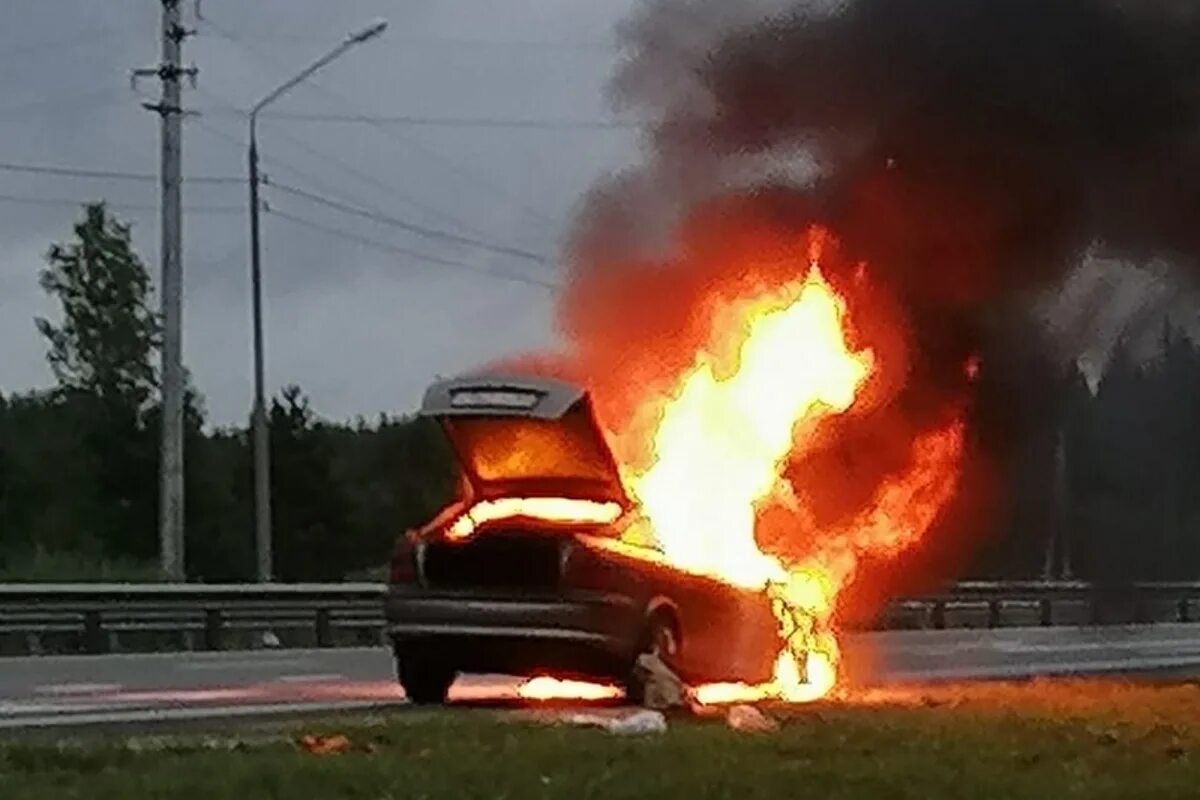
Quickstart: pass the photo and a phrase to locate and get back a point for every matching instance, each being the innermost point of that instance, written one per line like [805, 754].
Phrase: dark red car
[524, 572]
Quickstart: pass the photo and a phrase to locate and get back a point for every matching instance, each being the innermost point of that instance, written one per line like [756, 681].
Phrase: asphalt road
[54, 691]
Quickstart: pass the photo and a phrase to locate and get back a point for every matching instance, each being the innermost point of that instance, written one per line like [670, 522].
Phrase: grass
[1082, 740]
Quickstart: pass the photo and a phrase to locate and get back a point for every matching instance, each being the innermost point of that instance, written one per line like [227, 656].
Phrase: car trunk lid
[525, 438]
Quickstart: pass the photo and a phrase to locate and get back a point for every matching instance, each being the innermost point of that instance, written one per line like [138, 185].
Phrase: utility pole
[170, 72]
[261, 433]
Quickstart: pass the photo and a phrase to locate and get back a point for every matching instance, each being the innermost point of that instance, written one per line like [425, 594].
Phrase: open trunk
[532, 457]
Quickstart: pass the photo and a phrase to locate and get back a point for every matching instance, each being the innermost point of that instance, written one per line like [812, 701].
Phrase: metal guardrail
[101, 618]
[95, 618]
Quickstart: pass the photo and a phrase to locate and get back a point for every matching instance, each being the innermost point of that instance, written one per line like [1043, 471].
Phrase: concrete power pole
[170, 72]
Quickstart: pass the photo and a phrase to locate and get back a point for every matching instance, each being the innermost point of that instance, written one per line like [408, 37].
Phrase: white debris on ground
[663, 688]
[749, 719]
[270, 639]
[639, 722]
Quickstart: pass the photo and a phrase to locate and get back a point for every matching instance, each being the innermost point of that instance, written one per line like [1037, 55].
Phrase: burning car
[529, 569]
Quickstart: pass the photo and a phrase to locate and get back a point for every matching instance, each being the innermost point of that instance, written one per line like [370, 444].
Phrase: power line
[75, 102]
[56, 47]
[396, 249]
[577, 45]
[420, 230]
[107, 174]
[350, 169]
[66, 202]
[455, 122]
[471, 176]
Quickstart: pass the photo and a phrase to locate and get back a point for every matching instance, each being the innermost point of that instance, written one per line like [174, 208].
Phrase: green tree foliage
[397, 474]
[83, 454]
[310, 514]
[105, 342]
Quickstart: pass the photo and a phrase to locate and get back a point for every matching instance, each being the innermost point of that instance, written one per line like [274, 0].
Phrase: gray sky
[360, 329]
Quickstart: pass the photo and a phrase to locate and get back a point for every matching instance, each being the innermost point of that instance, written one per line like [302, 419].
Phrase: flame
[546, 509]
[545, 687]
[777, 363]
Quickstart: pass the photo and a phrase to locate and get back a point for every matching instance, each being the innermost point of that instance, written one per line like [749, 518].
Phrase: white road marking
[17, 708]
[67, 689]
[316, 678]
[197, 655]
[7, 709]
[275, 661]
[1175, 645]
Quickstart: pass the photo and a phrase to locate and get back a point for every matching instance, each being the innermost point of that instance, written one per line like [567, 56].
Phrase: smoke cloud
[1012, 179]
[969, 150]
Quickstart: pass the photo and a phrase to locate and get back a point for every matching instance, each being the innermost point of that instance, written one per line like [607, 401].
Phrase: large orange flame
[777, 364]
[706, 437]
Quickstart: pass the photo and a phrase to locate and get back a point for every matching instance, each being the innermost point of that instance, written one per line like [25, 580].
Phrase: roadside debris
[639, 722]
[749, 719]
[324, 745]
[663, 688]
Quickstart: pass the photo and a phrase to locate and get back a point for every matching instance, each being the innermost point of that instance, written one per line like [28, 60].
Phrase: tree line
[1108, 489]
[79, 462]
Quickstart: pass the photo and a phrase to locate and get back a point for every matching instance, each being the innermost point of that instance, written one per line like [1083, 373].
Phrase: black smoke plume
[971, 152]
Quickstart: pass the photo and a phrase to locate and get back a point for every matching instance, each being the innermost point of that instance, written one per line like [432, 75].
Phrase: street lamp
[262, 456]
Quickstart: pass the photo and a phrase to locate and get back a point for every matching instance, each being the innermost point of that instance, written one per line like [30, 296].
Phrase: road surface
[52, 691]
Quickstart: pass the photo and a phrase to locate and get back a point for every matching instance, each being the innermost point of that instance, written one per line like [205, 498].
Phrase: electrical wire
[396, 249]
[453, 122]
[118, 175]
[471, 176]
[65, 202]
[578, 45]
[344, 166]
[419, 230]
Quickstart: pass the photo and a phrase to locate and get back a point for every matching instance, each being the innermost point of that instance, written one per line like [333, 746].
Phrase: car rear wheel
[660, 639]
[425, 680]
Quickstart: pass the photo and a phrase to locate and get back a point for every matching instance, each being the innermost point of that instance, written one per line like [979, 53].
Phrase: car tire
[425, 681]
[660, 637]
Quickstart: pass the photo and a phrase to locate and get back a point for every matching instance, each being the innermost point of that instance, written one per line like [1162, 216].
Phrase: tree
[108, 335]
[102, 355]
[310, 508]
[397, 475]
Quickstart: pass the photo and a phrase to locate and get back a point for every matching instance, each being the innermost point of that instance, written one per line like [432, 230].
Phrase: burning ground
[807, 318]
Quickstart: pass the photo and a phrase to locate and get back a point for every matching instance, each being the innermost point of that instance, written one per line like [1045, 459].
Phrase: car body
[526, 571]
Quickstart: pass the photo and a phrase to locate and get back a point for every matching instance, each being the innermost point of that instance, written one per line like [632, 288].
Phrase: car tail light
[403, 568]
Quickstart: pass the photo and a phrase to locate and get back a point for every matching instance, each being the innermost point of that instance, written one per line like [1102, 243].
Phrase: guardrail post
[1047, 611]
[993, 613]
[324, 628]
[938, 615]
[1141, 612]
[213, 633]
[94, 641]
